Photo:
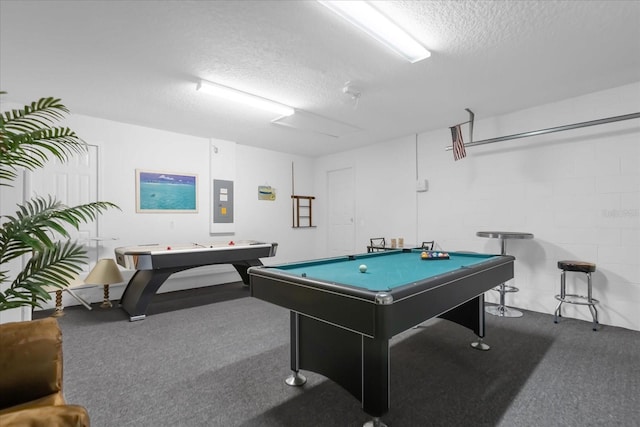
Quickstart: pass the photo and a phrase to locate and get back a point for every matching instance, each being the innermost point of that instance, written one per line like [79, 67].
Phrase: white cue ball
[362, 268]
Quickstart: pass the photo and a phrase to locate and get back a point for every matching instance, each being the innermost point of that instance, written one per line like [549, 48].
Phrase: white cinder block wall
[577, 191]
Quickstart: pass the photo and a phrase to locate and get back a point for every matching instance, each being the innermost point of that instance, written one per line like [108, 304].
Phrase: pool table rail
[356, 308]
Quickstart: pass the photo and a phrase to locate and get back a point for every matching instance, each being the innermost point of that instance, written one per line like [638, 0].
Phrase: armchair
[31, 377]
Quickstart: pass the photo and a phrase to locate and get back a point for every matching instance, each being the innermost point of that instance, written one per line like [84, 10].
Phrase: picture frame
[166, 192]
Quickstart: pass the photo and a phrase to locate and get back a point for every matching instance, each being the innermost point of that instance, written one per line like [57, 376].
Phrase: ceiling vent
[308, 122]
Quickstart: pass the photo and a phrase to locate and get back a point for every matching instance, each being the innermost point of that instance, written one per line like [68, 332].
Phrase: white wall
[577, 191]
[129, 147]
[123, 148]
[271, 221]
[385, 191]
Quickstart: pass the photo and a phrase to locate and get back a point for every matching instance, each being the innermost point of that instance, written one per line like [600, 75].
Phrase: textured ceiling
[138, 62]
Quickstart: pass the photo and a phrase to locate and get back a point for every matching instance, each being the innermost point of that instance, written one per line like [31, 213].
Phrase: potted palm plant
[29, 137]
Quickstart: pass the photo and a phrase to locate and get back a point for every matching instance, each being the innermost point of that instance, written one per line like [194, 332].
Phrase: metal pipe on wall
[551, 130]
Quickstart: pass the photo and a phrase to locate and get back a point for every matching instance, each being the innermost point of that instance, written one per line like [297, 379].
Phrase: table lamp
[104, 273]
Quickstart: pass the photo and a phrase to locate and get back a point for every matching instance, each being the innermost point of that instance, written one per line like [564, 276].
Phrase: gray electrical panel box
[222, 201]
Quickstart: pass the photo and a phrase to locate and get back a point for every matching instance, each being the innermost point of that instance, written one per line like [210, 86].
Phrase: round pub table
[501, 309]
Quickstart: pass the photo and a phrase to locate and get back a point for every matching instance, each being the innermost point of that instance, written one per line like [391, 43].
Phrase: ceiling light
[244, 98]
[374, 23]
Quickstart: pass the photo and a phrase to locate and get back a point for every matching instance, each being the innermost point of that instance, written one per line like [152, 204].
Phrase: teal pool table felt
[385, 270]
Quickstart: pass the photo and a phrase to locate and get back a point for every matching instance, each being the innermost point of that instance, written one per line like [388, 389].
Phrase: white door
[341, 212]
[73, 183]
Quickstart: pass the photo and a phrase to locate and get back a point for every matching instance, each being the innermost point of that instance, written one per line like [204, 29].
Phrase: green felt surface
[385, 270]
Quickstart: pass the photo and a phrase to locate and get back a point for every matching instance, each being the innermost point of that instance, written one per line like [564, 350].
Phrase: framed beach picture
[166, 192]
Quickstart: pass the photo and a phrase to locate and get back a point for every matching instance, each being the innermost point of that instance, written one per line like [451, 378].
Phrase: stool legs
[563, 294]
[576, 299]
[592, 306]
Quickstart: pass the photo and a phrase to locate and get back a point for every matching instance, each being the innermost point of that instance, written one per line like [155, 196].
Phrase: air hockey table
[154, 264]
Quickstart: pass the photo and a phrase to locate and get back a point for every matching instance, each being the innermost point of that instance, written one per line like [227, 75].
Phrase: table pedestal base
[503, 311]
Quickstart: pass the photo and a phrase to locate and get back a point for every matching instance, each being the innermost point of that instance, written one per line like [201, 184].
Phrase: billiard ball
[363, 268]
[424, 255]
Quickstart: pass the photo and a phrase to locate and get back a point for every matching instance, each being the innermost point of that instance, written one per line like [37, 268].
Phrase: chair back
[376, 244]
[428, 245]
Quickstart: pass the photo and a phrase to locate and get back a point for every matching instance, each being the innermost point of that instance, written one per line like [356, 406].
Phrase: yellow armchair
[31, 377]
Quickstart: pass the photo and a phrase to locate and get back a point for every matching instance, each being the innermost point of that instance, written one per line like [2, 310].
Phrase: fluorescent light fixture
[364, 16]
[249, 99]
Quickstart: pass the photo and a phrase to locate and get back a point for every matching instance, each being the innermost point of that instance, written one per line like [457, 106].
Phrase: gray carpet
[217, 357]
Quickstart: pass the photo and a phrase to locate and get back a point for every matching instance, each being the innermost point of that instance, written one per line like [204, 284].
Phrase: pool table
[342, 319]
[155, 263]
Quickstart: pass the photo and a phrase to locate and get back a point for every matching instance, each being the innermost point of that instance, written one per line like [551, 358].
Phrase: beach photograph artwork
[166, 192]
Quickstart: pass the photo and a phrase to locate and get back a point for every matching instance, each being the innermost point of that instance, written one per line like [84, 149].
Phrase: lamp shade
[105, 272]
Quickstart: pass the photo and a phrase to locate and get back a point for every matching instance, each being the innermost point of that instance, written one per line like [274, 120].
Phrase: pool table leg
[296, 378]
[470, 315]
[480, 344]
[376, 422]
[357, 363]
[375, 378]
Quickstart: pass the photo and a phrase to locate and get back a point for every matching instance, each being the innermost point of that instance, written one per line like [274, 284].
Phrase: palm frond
[34, 116]
[7, 174]
[33, 226]
[54, 266]
[28, 139]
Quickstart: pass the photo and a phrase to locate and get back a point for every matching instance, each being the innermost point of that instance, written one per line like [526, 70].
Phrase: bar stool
[578, 267]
